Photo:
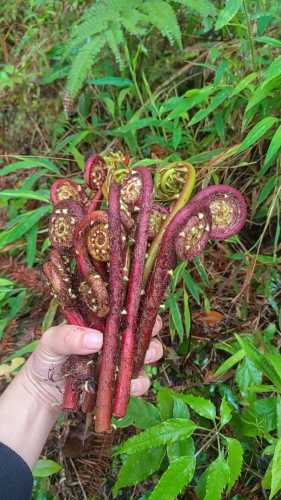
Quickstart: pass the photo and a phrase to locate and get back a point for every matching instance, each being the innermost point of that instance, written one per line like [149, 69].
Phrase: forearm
[26, 420]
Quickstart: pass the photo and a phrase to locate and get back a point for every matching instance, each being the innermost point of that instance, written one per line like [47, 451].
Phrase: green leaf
[175, 478]
[28, 195]
[187, 316]
[227, 13]
[258, 131]
[50, 315]
[182, 448]
[234, 461]
[244, 83]
[275, 361]
[272, 151]
[138, 467]
[225, 412]
[278, 416]
[165, 402]
[247, 376]
[268, 40]
[167, 432]
[28, 164]
[204, 407]
[267, 189]
[140, 413]
[259, 361]
[23, 350]
[229, 363]
[136, 125]
[31, 240]
[113, 81]
[218, 477]
[214, 104]
[46, 468]
[176, 316]
[192, 286]
[25, 225]
[276, 467]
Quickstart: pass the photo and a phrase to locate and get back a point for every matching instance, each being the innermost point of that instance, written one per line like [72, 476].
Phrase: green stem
[250, 35]
[183, 199]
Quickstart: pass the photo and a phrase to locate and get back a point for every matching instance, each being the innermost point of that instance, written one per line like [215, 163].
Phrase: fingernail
[92, 341]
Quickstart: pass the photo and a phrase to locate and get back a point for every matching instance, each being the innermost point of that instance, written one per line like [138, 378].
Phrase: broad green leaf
[27, 164]
[258, 418]
[9, 194]
[46, 468]
[259, 361]
[192, 98]
[138, 467]
[219, 98]
[217, 480]
[180, 409]
[243, 84]
[165, 402]
[272, 151]
[275, 361]
[227, 13]
[234, 461]
[144, 414]
[140, 413]
[167, 432]
[26, 224]
[175, 478]
[225, 412]
[267, 189]
[257, 132]
[274, 70]
[276, 467]
[229, 363]
[246, 376]
[5, 282]
[204, 407]
[181, 448]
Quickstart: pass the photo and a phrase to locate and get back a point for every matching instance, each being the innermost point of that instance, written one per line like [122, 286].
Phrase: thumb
[68, 339]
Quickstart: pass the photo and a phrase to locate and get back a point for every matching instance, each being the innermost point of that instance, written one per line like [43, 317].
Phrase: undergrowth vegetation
[160, 81]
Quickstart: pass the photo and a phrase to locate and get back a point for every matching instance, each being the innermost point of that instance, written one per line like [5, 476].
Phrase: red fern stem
[110, 341]
[134, 296]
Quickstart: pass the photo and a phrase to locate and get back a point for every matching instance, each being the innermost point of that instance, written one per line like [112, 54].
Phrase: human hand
[43, 374]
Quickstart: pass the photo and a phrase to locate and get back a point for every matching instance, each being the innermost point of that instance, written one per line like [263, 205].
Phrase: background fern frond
[163, 17]
[82, 64]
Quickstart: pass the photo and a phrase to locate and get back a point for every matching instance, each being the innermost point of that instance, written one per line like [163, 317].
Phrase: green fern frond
[82, 64]
[105, 24]
[163, 17]
[203, 7]
[115, 38]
